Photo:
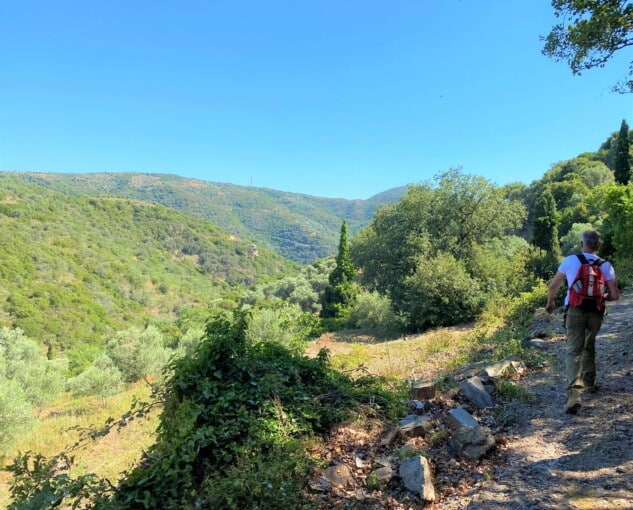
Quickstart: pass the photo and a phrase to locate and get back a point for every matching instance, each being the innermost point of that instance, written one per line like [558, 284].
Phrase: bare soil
[544, 460]
[552, 460]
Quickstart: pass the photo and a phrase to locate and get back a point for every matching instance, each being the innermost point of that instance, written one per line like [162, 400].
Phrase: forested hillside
[242, 401]
[74, 269]
[302, 228]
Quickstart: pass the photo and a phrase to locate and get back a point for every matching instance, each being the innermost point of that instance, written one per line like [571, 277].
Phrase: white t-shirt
[570, 266]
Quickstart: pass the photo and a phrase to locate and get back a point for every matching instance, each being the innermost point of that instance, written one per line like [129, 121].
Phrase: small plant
[508, 390]
[437, 436]
[506, 417]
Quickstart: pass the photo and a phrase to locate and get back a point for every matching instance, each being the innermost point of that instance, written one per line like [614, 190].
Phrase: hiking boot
[574, 403]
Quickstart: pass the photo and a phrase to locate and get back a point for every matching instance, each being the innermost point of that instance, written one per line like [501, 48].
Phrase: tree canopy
[589, 34]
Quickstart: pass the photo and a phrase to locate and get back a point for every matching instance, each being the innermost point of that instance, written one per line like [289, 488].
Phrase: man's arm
[614, 292]
[552, 289]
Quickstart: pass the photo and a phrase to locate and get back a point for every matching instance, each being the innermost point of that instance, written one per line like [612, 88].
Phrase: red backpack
[588, 288]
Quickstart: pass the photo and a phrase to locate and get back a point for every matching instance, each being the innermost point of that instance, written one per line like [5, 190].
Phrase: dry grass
[422, 356]
[60, 427]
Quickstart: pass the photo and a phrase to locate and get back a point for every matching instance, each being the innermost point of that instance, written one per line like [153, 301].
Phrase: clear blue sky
[337, 98]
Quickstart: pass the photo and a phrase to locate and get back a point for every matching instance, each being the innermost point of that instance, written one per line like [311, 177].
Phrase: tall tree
[622, 157]
[545, 230]
[442, 231]
[341, 292]
[590, 32]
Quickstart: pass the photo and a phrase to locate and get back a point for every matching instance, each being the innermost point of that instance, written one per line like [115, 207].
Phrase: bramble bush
[234, 423]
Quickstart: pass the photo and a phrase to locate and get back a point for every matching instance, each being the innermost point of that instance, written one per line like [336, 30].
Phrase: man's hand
[552, 289]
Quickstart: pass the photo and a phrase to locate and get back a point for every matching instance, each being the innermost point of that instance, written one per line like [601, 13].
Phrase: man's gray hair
[590, 239]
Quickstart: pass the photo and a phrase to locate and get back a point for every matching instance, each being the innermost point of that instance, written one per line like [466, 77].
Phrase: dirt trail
[557, 461]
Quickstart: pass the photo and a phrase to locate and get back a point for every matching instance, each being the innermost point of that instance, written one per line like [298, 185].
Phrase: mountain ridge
[302, 228]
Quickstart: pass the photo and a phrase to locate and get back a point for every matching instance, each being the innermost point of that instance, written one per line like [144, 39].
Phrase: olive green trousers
[581, 328]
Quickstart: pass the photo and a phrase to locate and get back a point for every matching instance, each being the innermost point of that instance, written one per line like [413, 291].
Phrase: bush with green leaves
[16, 414]
[234, 423]
[282, 323]
[23, 361]
[28, 379]
[441, 293]
[373, 311]
[102, 379]
[189, 342]
[138, 353]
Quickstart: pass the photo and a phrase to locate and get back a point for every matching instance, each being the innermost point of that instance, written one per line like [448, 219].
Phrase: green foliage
[24, 362]
[305, 290]
[237, 413]
[545, 231]
[27, 381]
[16, 414]
[302, 228]
[340, 294]
[188, 344]
[441, 293]
[102, 379]
[40, 483]
[138, 353]
[508, 390]
[590, 33]
[75, 269]
[622, 163]
[282, 323]
[445, 225]
[374, 312]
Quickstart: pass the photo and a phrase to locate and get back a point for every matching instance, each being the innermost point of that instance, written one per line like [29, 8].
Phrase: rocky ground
[543, 458]
[552, 460]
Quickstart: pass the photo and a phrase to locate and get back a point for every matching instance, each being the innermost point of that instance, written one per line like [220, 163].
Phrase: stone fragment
[505, 366]
[473, 389]
[417, 406]
[422, 390]
[415, 425]
[459, 417]
[339, 475]
[471, 442]
[416, 477]
[379, 477]
[389, 436]
[537, 343]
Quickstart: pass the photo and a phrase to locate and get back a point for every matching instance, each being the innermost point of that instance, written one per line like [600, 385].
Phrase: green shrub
[440, 293]
[138, 353]
[101, 379]
[22, 360]
[16, 414]
[373, 311]
[234, 422]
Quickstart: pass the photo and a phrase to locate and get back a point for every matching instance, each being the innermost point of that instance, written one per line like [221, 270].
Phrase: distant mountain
[302, 228]
[73, 269]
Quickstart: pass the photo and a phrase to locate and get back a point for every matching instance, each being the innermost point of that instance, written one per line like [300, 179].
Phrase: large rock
[339, 475]
[416, 477]
[422, 390]
[415, 425]
[475, 391]
[471, 442]
[459, 417]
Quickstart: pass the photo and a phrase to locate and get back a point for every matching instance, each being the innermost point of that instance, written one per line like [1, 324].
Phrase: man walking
[582, 323]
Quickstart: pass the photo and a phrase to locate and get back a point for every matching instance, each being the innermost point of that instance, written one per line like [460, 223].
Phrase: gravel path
[557, 461]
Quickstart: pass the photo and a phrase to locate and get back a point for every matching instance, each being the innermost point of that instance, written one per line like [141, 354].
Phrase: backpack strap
[583, 260]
